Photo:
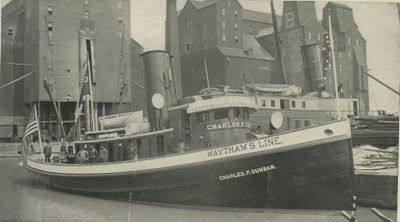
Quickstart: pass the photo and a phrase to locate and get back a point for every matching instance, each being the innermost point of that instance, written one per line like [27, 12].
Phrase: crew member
[103, 154]
[93, 154]
[70, 154]
[63, 153]
[82, 155]
[132, 151]
[47, 151]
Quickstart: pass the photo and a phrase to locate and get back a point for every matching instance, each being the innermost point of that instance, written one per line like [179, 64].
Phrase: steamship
[205, 150]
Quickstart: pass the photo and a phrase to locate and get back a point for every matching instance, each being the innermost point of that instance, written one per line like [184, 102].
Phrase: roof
[199, 4]
[256, 16]
[339, 5]
[258, 52]
[222, 102]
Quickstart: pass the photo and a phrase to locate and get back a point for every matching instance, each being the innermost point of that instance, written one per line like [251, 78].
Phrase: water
[24, 198]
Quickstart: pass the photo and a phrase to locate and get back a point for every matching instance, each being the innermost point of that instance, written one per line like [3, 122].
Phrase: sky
[378, 22]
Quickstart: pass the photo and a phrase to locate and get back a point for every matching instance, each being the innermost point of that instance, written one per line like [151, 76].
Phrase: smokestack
[172, 46]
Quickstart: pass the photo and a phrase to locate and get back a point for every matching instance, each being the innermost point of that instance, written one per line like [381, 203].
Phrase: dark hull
[315, 177]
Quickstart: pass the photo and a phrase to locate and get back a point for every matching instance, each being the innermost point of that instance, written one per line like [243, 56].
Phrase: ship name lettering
[236, 148]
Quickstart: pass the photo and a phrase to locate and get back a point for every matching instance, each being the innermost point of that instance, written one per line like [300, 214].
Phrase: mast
[333, 62]
[206, 70]
[278, 42]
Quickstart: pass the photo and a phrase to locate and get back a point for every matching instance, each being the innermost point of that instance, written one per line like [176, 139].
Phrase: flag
[33, 124]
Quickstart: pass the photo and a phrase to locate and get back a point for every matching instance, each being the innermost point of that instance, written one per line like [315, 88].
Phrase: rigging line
[16, 64]
[16, 80]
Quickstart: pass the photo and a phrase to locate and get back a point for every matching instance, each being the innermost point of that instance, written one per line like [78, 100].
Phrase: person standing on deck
[132, 151]
[103, 154]
[121, 152]
[93, 154]
[63, 153]
[47, 151]
[82, 155]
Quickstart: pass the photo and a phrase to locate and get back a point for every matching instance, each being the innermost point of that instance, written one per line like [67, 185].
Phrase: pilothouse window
[221, 114]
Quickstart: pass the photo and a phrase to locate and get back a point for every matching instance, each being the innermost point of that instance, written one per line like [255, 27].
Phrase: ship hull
[316, 175]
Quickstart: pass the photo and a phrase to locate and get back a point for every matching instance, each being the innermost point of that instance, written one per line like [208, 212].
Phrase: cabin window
[221, 114]
[303, 104]
[307, 122]
[237, 113]
[264, 103]
[272, 103]
[282, 103]
[293, 104]
[202, 117]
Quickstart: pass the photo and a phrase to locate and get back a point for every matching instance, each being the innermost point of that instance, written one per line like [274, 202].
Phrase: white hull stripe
[277, 143]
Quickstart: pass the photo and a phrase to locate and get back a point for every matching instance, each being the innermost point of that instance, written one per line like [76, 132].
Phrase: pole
[333, 62]
[91, 106]
[382, 83]
[16, 80]
[40, 137]
[205, 67]
[278, 42]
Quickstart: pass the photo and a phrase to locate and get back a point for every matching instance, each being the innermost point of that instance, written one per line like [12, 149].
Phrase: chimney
[172, 46]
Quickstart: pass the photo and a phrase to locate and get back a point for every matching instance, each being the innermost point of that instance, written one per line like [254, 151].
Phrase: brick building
[221, 34]
[300, 28]
[53, 38]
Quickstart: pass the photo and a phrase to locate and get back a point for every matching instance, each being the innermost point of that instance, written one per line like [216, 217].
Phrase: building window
[223, 37]
[340, 68]
[50, 10]
[357, 42]
[264, 103]
[187, 46]
[86, 14]
[303, 104]
[10, 31]
[120, 19]
[250, 29]
[349, 53]
[307, 123]
[120, 34]
[50, 26]
[236, 39]
[229, 3]
[119, 5]
[223, 25]
[319, 36]
[289, 20]
[223, 11]
[309, 35]
[236, 26]
[293, 104]
[236, 13]
[340, 55]
[348, 41]
[86, 2]
[272, 103]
